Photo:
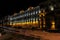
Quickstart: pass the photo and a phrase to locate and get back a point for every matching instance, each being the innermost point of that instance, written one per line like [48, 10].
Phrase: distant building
[44, 16]
[28, 18]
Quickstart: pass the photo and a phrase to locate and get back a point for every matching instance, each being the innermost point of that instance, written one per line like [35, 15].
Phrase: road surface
[42, 34]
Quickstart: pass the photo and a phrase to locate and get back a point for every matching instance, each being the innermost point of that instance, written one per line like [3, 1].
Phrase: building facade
[28, 18]
[44, 16]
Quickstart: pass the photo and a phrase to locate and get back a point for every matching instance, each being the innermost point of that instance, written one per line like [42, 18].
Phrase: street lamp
[51, 7]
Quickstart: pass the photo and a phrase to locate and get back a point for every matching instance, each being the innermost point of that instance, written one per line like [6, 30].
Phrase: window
[36, 19]
[33, 12]
[29, 14]
[11, 18]
[33, 19]
[26, 14]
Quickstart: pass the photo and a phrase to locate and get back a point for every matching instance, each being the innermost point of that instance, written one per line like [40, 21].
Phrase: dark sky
[10, 7]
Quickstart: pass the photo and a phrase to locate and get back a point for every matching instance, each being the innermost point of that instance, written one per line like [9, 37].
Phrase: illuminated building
[44, 16]
[28, 18]
[32, 17]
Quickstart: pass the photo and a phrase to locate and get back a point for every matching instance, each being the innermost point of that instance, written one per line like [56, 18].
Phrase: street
[31, 34]
[42, 34]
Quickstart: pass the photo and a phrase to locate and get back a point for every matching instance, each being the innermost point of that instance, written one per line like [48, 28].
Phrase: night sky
[10, 7]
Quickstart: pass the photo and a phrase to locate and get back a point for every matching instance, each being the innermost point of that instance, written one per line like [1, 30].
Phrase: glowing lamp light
[53, 25]
[51, 8]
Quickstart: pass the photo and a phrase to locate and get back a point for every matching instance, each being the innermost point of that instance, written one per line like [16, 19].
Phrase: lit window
[25, 14]
[31, 13]
[33, 19]
[34, 12]
[39, 11]
[36, 19]
[29, 20]
[21, 16]
[11, 19]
